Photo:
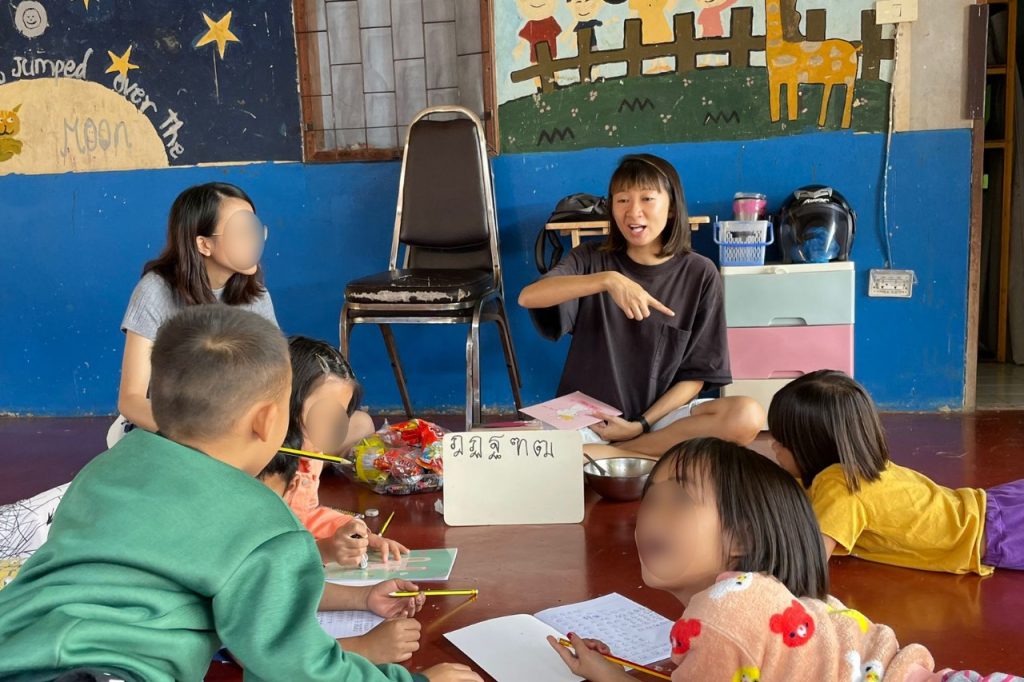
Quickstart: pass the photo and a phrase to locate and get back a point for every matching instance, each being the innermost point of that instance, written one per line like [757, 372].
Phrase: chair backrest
[445, 216]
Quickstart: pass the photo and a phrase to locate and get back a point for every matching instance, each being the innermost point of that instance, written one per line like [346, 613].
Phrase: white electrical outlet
[895, 11]
[891, 283]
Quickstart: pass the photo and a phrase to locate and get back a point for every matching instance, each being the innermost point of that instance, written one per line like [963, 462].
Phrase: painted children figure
[584, 12]
[710, 17]
[655, 27]
[541, 27]
[166, 547]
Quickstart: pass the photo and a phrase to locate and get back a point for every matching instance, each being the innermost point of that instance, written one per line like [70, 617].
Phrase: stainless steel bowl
[625, 479]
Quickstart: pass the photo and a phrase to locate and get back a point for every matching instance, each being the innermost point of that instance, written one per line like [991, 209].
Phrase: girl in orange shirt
[325, 418]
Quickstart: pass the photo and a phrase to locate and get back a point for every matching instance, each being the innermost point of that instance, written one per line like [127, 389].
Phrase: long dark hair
[827, 418]
[764, 513]
[194, 214]
[647, 171]
[312, 361]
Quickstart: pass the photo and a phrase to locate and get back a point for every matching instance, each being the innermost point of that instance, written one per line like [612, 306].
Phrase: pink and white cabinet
[785, 321]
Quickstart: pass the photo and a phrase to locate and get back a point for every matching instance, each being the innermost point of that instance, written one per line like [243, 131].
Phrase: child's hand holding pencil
[347, 546]
[587, 659]
[592, 659]
[380, 601]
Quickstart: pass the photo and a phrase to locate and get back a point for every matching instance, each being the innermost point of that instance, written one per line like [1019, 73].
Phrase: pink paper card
[570, 412]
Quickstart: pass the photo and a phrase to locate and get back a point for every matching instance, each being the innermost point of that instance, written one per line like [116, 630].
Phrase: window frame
[312, 116]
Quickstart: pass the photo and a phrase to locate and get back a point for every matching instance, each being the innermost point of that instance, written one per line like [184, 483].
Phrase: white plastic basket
[742, 242]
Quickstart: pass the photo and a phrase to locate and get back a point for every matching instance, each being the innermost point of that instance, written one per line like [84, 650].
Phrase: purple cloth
[1004, 526]
[971, 676]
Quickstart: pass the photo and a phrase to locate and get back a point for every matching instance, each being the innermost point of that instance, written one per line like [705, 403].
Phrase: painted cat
[10, 125]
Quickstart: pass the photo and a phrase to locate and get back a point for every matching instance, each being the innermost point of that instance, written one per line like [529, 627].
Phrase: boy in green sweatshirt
[166, 547]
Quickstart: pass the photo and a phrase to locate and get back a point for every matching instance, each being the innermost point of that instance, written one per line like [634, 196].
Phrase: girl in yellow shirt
[827, 433]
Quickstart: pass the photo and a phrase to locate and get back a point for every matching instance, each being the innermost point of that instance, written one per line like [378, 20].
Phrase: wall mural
[100, 84]
[585, 73]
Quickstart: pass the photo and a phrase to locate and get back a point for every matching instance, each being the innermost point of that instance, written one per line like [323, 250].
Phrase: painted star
[121, 64]
[219, 33]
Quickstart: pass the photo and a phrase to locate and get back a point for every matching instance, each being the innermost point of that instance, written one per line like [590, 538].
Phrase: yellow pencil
[385, 526]
[437, 593]
[623, 662]
[311, 455]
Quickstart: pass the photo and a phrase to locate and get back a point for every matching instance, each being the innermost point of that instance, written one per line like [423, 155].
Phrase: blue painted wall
[72, 247]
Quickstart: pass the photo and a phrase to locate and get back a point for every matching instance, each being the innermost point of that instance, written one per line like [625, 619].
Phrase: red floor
[965, 621]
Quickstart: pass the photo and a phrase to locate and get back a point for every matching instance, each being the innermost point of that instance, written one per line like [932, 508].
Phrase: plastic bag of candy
[400, 459]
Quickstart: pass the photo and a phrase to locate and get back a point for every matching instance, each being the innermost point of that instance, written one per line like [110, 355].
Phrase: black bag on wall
[570, 209]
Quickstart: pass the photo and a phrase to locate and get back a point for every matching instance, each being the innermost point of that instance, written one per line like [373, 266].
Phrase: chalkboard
[101, 84]
[513, 478]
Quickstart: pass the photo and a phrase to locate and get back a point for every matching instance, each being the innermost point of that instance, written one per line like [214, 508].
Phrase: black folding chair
[451, 270]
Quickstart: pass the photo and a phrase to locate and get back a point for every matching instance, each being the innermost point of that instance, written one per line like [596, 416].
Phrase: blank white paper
[513, 649]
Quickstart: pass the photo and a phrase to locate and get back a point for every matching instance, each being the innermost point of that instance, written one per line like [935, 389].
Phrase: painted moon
[73, 125]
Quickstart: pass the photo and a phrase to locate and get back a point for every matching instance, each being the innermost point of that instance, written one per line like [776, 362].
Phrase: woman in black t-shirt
[647, 321]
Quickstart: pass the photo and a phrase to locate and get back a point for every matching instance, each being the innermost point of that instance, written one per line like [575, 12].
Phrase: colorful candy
[401, 459]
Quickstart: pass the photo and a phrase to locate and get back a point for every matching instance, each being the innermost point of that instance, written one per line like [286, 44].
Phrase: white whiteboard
[513, 478]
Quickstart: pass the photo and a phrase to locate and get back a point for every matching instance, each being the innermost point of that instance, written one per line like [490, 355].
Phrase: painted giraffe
[795, 63]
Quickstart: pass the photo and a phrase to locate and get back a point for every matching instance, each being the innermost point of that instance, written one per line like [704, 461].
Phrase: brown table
[518, 569]
[965, 621]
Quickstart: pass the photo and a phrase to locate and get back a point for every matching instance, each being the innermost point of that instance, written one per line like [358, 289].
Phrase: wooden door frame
[977, 60]
[970, 399]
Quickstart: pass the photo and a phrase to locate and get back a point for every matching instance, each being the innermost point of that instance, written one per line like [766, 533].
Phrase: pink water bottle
[749, 206]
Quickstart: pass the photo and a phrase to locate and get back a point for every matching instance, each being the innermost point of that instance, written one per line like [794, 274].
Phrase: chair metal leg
[510, 359]
[477, 408]
[469, 379]
[473, 411]
[474, 403]
[396, 366]
[512, 351]
[344, 332]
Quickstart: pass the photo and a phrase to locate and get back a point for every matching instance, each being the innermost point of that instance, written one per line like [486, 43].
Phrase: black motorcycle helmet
[816, 225]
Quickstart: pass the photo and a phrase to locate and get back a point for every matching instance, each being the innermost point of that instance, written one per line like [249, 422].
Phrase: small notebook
[570, 412]
[419, 565]
[339, 624]
[632, 631]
